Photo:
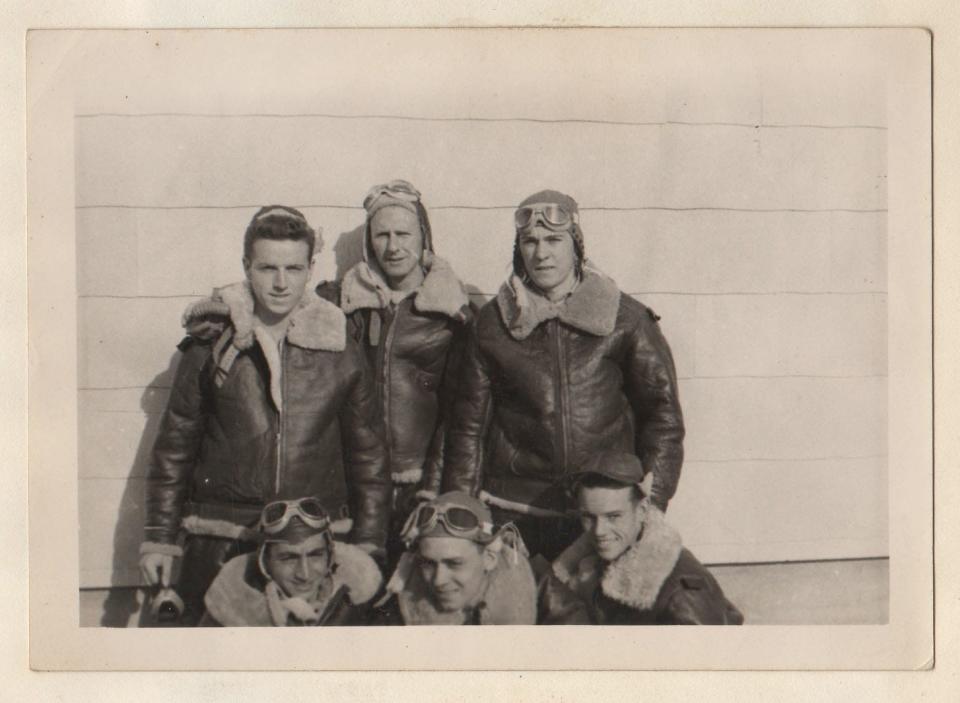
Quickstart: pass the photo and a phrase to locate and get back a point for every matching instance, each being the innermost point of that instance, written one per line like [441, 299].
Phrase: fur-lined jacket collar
[592, 306]
[510, 598]
[441, 291]
[636, 576]
[234, 600]
[316, 323]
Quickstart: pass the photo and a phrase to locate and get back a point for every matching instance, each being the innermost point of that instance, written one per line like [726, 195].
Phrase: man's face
[611, 517]
[397, 242]
[278, 271]
[548, 257]
[455, 570]
[300, 568]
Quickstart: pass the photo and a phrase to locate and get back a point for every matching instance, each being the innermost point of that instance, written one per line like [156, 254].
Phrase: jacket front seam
[280, 414]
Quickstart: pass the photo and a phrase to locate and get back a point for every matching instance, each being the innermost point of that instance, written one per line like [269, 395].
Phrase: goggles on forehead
[552, 216]
[398, 190]
[277, 515]
[458, 520]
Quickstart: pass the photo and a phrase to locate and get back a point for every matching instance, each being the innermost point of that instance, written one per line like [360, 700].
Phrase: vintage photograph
[367, 353]
[484, 327]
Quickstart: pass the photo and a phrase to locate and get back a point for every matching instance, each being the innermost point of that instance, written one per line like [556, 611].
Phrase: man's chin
[448, 605]
[305, 592]
[609, 553]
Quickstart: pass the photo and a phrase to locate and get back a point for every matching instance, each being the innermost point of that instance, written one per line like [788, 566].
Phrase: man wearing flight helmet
[461, 570]
[408, 310]
[298, 576]
[272, 399]
[558, 366]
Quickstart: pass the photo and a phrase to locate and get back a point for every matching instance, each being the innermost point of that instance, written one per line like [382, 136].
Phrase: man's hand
[156, 568]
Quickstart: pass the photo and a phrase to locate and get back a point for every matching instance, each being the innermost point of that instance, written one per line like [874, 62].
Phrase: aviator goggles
[553, 217]
[277, 515]
[398, 190]
[458, 520]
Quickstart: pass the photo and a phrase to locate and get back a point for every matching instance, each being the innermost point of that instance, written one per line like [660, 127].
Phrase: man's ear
[246, 264]
[490, 557]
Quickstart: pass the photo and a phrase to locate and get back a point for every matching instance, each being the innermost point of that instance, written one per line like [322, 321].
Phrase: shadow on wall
[121, 603]
[348, 251]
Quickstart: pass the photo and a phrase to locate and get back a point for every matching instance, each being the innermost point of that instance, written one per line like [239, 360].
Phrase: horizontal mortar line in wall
[124, 388]
[761, 377]
[792, 561]
[110, 296]
[714, 294]
[184, 296]
[532, 120]
[785, 460]
[758, 377]
[598, 208]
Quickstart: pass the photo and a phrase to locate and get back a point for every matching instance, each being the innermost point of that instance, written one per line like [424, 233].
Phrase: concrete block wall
[734, 182]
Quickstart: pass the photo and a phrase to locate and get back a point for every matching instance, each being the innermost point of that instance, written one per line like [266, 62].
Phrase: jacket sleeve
[469, 420]
[697, 599]
[368, 480]
[651, 386]
[433, 466]
[176, 447]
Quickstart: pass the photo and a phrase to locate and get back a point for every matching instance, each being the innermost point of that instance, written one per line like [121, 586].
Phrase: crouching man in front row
[298, 576]
[630, 567]
[461, 570]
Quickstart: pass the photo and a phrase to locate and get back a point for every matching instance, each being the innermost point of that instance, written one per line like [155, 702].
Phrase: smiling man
[559, 366]
[461, 570]
[272, 399]
[299, 575]
[636, 571]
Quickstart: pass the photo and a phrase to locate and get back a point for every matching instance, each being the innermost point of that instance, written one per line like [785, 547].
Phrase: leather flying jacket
[248, 422]
[541, 392]
[655, 582]
[413, 348]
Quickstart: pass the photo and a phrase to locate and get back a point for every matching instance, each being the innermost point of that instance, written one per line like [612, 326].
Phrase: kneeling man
[299, 575]
[460, 570]
[636, 570]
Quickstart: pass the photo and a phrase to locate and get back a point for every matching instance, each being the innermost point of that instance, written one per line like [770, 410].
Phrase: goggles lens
[455, 519]
[550, 214]
[400, 190]
[278, 514]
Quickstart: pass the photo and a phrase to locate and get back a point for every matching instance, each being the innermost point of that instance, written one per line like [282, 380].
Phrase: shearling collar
[441, 290]
[591, 308]
[510, 598]
[233, 602]
[316, 323]
[636, 576]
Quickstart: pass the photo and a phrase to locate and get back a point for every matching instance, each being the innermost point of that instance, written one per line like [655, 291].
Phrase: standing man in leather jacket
[408, 311]
[272, 399]
[559, 366]
[636, 571]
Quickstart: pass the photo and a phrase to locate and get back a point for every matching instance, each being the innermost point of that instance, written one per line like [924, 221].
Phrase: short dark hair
[594, 480]
[278, 222]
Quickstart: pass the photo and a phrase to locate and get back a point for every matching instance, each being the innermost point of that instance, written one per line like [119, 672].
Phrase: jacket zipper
[562, 391]
[283, 399]
[386, 350]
